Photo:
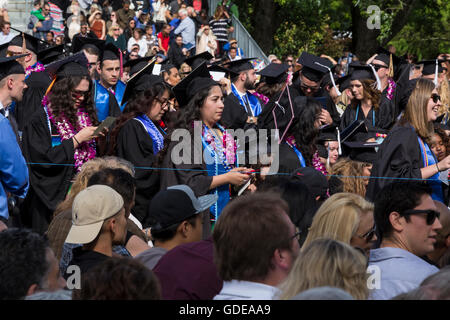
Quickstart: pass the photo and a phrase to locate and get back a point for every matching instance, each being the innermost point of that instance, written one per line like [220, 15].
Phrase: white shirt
[246, 290]
[143, 47]
[5, 38]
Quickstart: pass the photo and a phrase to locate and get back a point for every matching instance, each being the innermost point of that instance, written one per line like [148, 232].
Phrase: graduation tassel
[339, 141]
[332, 78]
[376, 76]
[391, 67]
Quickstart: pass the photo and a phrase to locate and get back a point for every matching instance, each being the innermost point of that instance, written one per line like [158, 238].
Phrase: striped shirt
[219, 28]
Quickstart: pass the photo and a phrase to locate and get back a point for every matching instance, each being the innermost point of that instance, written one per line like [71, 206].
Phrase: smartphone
[107, 123]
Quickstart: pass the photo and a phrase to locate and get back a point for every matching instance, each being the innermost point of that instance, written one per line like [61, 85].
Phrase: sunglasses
[305, 87]
[435, 97]
[79, 94]
[431, 214]
[379, 66]
[369, 234]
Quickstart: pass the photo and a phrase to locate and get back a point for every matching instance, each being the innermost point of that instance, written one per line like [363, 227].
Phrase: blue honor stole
[428, 160]
[214, 169]
[250, 100]
[299, 154]
[102, 98]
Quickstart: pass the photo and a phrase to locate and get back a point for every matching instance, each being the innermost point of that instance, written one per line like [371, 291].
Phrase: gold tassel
[24, 44]
[391, 67]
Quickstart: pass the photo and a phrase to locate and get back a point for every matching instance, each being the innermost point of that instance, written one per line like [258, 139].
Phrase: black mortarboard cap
[361, 151]
[361, 72]
[313, 66]
[239, 66]
[31, 43]
[198, 59]
[343, 82]
[10, 66]
[165, 67]
[429, 66]
[141, 81]
[385, 56]
[355, 129]
[137, 64]
[197, 80]
[110, 52]
[51, 54]
[328, 133]
[4, 50]
[274, 73]
[75, 65]
[80, 43]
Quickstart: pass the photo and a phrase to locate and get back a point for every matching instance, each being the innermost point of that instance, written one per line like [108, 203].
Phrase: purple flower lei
[261, 97]
[38, 68]
[391, 88]
[86, 150]
[226, 149]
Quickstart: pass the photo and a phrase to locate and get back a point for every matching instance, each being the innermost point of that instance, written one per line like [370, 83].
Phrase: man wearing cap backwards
[109, 89]
[175, 222]
[99, 221]
[13, 169]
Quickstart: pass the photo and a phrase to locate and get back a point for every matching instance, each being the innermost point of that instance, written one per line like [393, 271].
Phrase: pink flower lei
[38, 68]
[391, 89]
[261, 97]
[86, 150]
[225, 149]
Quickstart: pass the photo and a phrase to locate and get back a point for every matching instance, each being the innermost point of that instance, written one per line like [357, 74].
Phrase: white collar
[239, 92]
[247, 290]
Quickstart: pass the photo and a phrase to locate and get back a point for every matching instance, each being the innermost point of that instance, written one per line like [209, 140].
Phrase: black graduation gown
[194, 175]
[135, 145]
[399, 156]
[289, 161]
[234, 115]
[114, 109]
[381, 116]
[37, 83]
[49, 184]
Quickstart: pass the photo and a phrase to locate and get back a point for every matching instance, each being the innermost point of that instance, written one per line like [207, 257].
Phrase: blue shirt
[187, 30]
[13, 167]
[401, 271]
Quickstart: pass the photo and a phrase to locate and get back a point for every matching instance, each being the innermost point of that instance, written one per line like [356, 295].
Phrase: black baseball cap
[316, 182]
[176, 204]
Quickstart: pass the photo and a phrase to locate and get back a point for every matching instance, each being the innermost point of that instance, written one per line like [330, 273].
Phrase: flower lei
[39, 67]
[86, 150]
[319, 166]
[261, 97]
[391, 88]
[226, 150]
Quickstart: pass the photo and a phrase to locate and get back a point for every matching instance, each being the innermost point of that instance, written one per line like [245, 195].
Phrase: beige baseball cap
[90, 208]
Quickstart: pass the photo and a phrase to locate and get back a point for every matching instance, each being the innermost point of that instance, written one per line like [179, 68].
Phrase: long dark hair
[62, 102]
[304, 131]
[136, 107]
[185, 118]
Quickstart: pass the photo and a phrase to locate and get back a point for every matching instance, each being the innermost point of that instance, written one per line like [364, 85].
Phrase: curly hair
[304, 131]
[62, 102]
[119, 279]
[141, 105]
[348, 172]
[185, 118]
[370, 92]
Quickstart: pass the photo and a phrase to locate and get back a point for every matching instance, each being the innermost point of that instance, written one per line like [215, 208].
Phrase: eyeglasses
[91, 64]
[431, 214]
[12, 53]
[76, 94]
[164, 103]
[379, 66]
[305, 87]
[369, 234]
[435, 97]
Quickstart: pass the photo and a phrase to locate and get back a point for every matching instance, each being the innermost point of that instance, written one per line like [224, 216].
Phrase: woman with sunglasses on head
[59, 139]
[138, 136]
[405, 153]
[116, 37]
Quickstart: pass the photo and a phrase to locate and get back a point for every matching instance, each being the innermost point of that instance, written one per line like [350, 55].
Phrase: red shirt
[164, 41]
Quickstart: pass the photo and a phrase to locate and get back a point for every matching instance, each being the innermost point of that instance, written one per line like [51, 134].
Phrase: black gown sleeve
[234, 115]
[399, 156]
[194, 175]
[135, 145]
[114, 109]
[289, 161]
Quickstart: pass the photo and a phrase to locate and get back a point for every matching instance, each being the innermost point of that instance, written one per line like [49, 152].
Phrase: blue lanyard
[373, 115]
[299, 154]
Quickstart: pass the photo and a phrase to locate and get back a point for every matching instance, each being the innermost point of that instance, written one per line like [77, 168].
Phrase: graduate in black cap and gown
[138, 136]
[365, 104]
[36, 78]
[109, 90]
[59, 139]
[405, 152]
[202, 107]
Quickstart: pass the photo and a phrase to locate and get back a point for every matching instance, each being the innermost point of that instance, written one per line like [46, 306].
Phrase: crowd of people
[102, 195]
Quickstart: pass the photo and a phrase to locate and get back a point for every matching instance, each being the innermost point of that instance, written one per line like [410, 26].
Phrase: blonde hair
[416, 109]
[327, 262]
[111, 31]
[350, 173]
[338, 218]
[444, 92]
[87, 171]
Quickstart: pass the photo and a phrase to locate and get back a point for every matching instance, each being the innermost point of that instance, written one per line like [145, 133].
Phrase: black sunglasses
[435, 97]
[369, 234]
[431, 214]
[379, 66]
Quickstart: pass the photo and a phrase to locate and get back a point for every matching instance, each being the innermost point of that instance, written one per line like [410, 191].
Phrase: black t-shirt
[85, 259]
